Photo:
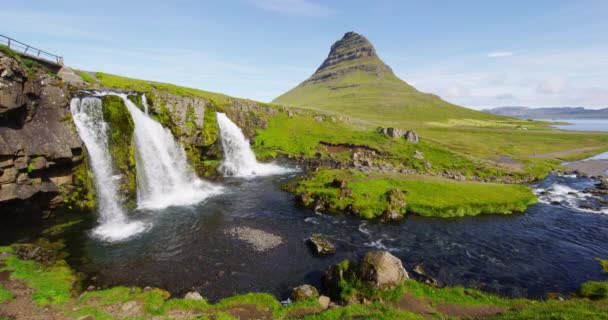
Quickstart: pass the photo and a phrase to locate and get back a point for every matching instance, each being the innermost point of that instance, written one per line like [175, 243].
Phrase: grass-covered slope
[354, 81]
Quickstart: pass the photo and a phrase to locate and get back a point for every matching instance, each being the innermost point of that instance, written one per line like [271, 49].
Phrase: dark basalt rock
[38, 144]
[352, 47]
[321, 245]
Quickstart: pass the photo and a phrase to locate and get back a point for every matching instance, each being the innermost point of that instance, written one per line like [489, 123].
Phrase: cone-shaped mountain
[354, 81]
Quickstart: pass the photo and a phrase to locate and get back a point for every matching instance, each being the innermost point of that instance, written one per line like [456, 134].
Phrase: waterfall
[88, 117]
[144, 101]
[239, 159]
[164, 177]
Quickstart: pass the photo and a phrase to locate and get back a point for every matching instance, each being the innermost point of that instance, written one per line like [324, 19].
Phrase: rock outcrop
[396, 205]
[411, 136]
[39, 147]
[378, 270]
[351, 47]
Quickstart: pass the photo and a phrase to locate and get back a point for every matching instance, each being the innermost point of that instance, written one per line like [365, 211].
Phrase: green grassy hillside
[362, 86]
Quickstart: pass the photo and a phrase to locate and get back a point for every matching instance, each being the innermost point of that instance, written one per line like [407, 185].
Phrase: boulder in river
[321, 245]
[304, 291]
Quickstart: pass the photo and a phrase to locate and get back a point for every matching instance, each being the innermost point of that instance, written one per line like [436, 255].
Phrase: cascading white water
[239, 159]
[88, 117]
[144, 101]
[164, 177]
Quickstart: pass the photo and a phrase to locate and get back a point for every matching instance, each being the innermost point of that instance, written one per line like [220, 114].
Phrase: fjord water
[164, 177]
[240, 160]
[113, 222]
[550, 248]
[582, 124]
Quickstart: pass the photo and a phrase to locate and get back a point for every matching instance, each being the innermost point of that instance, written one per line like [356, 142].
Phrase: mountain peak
[351, 46]
[350, 54]
[353, 80]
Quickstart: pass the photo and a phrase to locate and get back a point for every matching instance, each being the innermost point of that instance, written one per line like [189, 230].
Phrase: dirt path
[23, 307]
[424, 308]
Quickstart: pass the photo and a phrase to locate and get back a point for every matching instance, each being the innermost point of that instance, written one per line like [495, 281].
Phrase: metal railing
[30, 51]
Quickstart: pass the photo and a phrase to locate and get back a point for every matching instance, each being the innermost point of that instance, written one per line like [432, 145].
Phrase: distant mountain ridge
[354, 81]
[549, 113]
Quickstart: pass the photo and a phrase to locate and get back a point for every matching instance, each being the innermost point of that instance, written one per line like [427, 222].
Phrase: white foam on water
[566, 196]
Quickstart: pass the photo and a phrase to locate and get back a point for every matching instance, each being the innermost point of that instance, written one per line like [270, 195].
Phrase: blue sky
[474, 53]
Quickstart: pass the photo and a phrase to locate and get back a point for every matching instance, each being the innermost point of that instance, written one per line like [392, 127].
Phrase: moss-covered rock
[81, 194]
[120, 139]
[136, 99]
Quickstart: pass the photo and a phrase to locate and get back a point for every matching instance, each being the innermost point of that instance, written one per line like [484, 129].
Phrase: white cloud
[553, 85]
[293, 7]
[500, 54]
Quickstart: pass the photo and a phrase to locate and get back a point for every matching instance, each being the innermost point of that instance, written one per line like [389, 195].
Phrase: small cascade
[88, 117]
[164, 177]
[239, 159]
[144, 101]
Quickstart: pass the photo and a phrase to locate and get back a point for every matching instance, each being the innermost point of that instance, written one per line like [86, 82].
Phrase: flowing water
[552, 247]
[240, 160]
[113, 222]
[164, 177]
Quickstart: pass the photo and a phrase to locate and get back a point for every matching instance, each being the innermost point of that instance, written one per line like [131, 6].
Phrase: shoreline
[593, 166]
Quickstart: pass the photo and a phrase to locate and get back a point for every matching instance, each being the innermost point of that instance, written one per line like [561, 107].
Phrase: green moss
[594, 290]
[136, 99]
[165, 118]
[61, 227]
[6, 295]
[82, 193]
[368, 198]
[10, 52]
[210, 126]
[121, 129]
[52, 284]
[604, 264]
[191, 126]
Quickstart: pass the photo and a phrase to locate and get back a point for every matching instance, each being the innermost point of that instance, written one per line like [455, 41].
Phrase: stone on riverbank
[382, 270]
[304, 291]
[193, 296]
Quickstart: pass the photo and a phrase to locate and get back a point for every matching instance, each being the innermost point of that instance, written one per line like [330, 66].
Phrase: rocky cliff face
[43, 160]
[351, 53]
[38, 145]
